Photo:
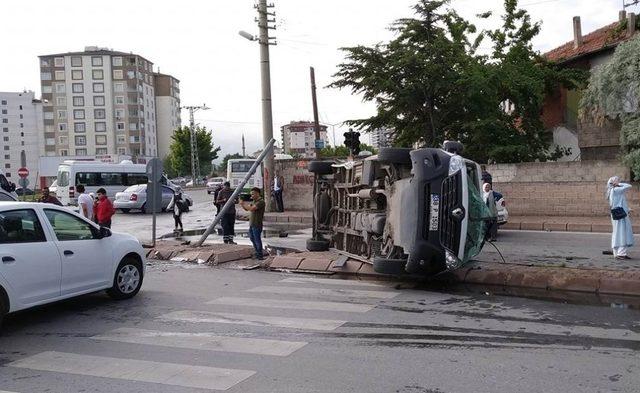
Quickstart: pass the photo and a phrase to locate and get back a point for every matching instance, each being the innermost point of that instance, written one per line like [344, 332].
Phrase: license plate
[434, 212]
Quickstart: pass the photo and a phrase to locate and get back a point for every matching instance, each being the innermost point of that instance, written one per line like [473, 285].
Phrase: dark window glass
[88, 178]
[20, 226]
[136, 178]
[69, 227]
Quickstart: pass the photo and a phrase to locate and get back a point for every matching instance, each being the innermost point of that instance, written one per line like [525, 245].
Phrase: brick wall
[298, 184]
[558, 188]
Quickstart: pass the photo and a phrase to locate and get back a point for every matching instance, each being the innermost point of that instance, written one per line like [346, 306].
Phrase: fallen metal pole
[268, 149]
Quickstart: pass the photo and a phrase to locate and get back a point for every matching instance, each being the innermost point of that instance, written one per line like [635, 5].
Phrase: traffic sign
[23, 182]
[23, 172]
[154, 169]
[319, 144]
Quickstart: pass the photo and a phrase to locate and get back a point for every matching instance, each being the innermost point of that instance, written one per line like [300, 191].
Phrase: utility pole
[195, 162]
[244, 153]
[314, 100]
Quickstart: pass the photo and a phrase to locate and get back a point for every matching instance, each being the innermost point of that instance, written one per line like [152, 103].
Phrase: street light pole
[195, 162]
[264, 25]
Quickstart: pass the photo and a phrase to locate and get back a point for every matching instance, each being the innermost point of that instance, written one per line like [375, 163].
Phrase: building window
[80, 140]
[119, 114]
[7, 157]
[98, 87]
[122, 150]
[99, 114]
[97, 74]
[63, 140]
[134, 139]
[5, 138]
[79, 127]
[100, 126]
[133, 112]
[120, 139]
[45, 76]
[62, 127]
[4, 111]
[133, 126]
[61, 101]
[3, 102]
[117, 61]
[98, 100]
[101, 150]
[5, 121]
[48, 115]
[5, 129]
[58, 61]
[131, 74]
[120, 126]
[78, 113]
[118, 87]
[76, 75]
[117, 74]
[101, 139]
[81, 152]
[59, 75]
[47, 90]
[44, 62]
[119, 100]
[77, 88]
[64, 152]
[50, 141]
[62, 115]
[61, 88]
[96, 61]
[76, 61]
[78, 101]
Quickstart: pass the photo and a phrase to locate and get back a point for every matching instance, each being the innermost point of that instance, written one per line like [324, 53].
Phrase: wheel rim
[128, 279]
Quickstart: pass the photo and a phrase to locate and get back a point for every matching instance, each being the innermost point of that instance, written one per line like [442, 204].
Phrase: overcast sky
[197, 41]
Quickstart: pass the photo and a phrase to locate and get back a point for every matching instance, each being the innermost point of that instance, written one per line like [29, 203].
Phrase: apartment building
[167, 90]
[298, 137]
[22, 131]
[98, 102]
[381, 137]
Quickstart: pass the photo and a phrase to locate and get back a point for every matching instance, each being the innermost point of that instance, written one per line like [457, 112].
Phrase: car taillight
[133, 197]
[72, 192]
[503, 204]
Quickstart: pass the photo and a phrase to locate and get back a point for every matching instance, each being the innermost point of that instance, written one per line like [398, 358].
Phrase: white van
[95, 174]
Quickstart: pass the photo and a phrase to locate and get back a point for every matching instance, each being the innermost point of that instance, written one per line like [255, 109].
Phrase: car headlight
[451, 260]
[456, 163]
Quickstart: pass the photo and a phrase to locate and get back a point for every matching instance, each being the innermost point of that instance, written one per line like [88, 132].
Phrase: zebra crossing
[252, 309]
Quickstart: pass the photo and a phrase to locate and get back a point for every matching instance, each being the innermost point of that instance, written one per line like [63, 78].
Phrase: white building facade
[22, 133]
[381, 137]
[298, 138]
[97, 103]
[167, 89]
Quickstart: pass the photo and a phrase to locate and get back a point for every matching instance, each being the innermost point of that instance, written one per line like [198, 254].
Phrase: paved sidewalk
[565, 223]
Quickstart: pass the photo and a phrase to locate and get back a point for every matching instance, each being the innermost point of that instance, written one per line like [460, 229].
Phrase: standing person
[256, 215]
[486, 176]
[490, 200]
[228, 220]
[216, 191]
[277, 186]
[104, 209]
[85, 203]
[622, 235]
[177, 207]
[48, 198]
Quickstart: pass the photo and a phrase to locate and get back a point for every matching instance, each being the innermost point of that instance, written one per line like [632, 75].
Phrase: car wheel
[317, 245]
[125, 211]
[143, 209]
[395, 155]
[320, 167]
[127, 280]
[389, 266]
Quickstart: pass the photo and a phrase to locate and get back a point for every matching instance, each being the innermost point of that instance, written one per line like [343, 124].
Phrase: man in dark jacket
[228, 220]
[48, 198]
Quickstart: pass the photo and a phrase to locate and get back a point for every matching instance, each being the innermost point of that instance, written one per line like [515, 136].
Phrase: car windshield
[478, 215]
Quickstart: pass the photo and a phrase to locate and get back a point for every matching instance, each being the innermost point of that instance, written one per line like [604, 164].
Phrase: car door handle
[8, 259]
[68, 252]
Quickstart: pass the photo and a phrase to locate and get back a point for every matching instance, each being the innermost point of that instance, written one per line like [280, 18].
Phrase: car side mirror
[104, 232]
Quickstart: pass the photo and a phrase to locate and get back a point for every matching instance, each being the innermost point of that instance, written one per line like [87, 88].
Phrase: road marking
[203, 341]
[292, 304]
[253, 320]
[326, 292]
[135, 370]
[334, 281]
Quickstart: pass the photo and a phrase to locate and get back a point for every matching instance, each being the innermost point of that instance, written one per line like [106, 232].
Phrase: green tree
[178, 162]
[430, 84]
[222, 168]
[343, 151]
[613, 93]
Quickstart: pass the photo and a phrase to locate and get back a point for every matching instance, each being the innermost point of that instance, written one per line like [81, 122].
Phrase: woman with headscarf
[622, 236]
[490, 200]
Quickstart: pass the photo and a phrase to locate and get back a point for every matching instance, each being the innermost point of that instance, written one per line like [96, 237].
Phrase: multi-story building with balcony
[98, 102]
[298, 138]
[381, 137]
[21, 133]
[167, 90]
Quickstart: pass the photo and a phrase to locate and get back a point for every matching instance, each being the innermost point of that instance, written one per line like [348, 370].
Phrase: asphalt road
[199, 329]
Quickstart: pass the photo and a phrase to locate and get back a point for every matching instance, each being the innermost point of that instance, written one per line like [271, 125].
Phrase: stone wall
[298, 184]
[558, 188]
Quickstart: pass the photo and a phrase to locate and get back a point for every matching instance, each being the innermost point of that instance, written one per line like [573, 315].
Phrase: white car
[49, 253]
[213, 183]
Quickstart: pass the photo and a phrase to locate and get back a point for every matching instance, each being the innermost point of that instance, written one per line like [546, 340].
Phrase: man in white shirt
[85, 203]
[277, 186]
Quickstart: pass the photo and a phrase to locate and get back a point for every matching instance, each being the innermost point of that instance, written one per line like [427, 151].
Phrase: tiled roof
[596, 41]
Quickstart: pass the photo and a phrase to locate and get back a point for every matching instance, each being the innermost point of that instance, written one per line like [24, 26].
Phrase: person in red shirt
[104, 209]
